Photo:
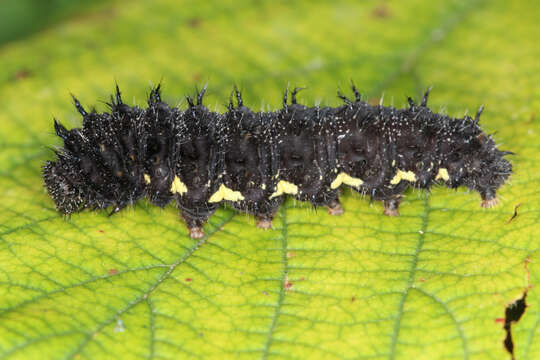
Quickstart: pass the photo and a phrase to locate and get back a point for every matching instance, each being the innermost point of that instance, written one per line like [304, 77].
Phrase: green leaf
[431, 284]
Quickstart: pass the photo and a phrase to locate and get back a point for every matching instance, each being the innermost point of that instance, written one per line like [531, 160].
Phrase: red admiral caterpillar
[252, 159]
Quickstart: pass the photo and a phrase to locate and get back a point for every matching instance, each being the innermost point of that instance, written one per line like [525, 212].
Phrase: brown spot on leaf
[194, 22]
[189, 279]
[381, 11]
[22, 74]
[113, 271]
[197, 77]
[101, 231]
[287, 284]
[290, 254]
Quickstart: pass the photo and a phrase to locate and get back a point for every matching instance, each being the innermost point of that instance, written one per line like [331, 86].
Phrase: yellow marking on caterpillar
[403, 175]
[263, 186]
[147, 179]
[178, 187]
[346, 179]
[442, 174]
[224, 193]
[284, 187]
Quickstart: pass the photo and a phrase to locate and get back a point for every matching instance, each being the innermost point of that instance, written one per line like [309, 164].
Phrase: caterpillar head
[87, 174]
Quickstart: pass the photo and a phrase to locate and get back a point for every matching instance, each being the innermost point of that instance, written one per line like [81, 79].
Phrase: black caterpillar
[251, 159]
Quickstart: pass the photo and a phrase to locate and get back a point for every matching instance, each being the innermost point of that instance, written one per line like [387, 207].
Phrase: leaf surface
[431, 284]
